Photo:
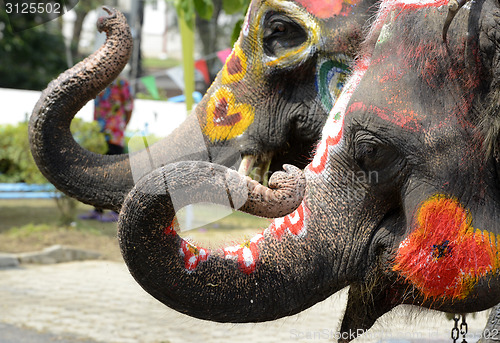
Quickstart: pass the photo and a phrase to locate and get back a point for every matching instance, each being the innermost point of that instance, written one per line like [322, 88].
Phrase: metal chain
[463, 328]
[456, 332]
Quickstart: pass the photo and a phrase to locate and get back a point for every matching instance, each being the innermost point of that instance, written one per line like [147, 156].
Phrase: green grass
[35, 223]
[28, 230]
[25, 213]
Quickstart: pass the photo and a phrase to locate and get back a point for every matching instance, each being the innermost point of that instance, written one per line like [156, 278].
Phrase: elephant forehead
[328, 8]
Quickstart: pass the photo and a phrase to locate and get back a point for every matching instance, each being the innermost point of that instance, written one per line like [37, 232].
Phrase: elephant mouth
[256, 166]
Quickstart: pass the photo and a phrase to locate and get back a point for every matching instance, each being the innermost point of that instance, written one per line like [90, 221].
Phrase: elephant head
[291, 55]
[402, 198]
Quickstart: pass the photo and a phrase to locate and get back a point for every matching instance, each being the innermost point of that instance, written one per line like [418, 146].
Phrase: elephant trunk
[99, 180]
[61, 160]
[267, 277]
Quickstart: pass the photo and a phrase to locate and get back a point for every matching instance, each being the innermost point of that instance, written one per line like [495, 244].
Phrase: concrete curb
[50, 255]
[8, 260]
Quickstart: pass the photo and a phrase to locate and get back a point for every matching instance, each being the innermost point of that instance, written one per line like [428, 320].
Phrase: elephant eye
[373, 155]
[281, 33]
[367, 154]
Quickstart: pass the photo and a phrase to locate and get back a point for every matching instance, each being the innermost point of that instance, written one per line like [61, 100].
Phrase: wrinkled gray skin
[423, 121]
[491, 332]
[290, 101]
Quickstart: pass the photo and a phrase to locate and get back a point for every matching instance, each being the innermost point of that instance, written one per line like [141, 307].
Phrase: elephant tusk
[256, 167]
[453, 7]
[247, 164]
[260, 174]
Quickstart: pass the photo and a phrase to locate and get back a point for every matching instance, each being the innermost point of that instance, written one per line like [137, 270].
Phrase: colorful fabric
[110, 110]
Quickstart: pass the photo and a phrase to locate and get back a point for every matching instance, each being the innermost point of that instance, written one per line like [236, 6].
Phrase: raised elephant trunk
[267, 277]
[99, 180]
[72, 168]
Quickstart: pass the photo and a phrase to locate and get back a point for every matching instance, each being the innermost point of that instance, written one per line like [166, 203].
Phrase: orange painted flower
[445, 256]
[225, 118]
[236, 66]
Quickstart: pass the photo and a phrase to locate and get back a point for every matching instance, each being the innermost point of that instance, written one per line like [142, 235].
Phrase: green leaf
[16, 162]
[233, 6]
[205, 8]
[185, 10]
[236, 31]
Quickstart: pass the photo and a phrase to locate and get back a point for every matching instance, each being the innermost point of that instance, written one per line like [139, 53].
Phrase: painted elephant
[401, 200]
[291, 55]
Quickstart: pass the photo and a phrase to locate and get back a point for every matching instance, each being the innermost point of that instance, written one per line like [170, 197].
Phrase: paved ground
[99, 301]
[13, 334]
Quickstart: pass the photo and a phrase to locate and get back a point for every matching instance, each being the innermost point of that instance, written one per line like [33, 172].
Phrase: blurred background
[35, 49]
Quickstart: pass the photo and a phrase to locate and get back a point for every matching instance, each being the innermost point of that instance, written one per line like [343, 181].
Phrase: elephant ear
[489, 110]
[490, 127]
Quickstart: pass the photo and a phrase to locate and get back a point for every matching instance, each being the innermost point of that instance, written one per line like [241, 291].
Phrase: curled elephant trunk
[99, 180]
[66, 164]
[265, 278]
[104, 180]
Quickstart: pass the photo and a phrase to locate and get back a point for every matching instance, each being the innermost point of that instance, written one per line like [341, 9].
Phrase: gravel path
[99, 300]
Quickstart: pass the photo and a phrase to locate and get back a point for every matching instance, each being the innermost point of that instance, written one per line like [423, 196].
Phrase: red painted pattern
[246, 254]
[328, 8]
[412, 4]
[193, 255]
[319, 163]
[292, 223]
[388, 6]
[170, 231]
[221, 115]
[445, 256]
[234, 64]
[406, 119]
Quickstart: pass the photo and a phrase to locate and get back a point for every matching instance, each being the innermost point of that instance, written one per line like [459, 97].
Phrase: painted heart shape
[445, 256]
[222, 116]
[225, 118]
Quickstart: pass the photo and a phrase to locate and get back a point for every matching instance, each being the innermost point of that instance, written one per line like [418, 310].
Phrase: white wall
[156, 18]
[159, 117]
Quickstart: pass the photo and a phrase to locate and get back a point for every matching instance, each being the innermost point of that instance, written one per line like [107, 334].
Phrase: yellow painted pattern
[226, 119]
[304, 19]
[235, 68]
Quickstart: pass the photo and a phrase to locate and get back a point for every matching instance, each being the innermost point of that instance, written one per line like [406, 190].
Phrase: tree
[187, 10]
[31, 58]
[208, 33]
[81, 10]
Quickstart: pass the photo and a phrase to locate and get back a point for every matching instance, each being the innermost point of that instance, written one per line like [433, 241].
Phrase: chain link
[496, 318]
[456, 332]
[463, 328]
